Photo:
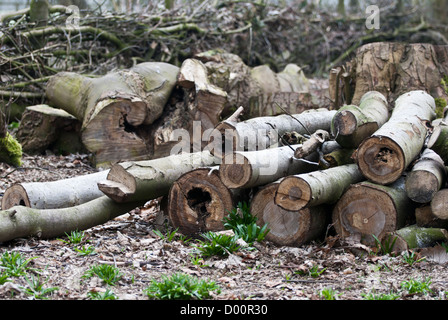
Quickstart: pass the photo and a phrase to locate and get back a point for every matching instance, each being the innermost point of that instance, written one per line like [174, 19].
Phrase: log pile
[367, 173]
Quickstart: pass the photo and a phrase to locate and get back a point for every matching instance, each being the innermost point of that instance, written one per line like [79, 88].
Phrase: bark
[396, 68]
[21, 221]
[150, 179]
[43, 127]
[263, 132]
[426, 177]
[57, 194]
[198, 202]
[255, 168]
[352, 124]
[368, 209]
[425, 218]
[288, 228]
[116, 108]
[414, 237]
[315, 188]
[439, 204]
[384, 156]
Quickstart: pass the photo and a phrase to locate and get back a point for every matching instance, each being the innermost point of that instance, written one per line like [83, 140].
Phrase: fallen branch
[20, 221]
[414, 237]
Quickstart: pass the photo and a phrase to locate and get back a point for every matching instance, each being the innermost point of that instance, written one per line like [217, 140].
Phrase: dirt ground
[263, 272]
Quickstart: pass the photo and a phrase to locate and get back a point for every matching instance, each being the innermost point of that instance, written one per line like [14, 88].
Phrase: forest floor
[261, 272]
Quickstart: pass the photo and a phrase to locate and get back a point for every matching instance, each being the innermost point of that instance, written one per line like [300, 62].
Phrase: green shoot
[109, 274]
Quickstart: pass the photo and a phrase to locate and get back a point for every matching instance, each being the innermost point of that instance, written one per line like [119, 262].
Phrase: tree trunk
[439, 204]
[263, 132]
[150, 179]
[43, 127]
[198, 201]
[367, 209]
[319, 187]
[396, 68]
[425, 218]
[352, 124]
[54, 194]
[116, 108]
[288, 228]
[384, 156]
[255, 168]
[414, 237]
[426, 177]
[21, 221]
[260, 90]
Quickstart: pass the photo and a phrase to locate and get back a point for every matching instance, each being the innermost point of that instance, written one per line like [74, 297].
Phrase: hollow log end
[15, 196]
[381, 160]
[198, 202]
[293, 194]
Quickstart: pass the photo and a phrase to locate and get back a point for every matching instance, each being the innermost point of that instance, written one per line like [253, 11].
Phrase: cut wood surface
[439, 204]
[150, 179]
[427, 176]
[62, 193]
[262, 132]
[425, 218]
[21, 221]
[255, 168]
[415, 237]
[288, 228]
[368, 209]
[198, 202]
[352, 124]
[384, 156]
[318, 187]
[113, 107]
[43, 127]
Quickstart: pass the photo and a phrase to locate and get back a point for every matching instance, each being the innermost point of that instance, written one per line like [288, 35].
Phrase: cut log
[383, 157]
[209, 99]
[116, 108]
[54, 194]
[198, 202]
[312, 144]
[255, 168]
[367, 209]
[439, 137]
[288, 228]
[352, 124]
[145, 180]
[426, 177]
[426, 219]
[43, 127]
[263, 132]
[260, 90]
[22, 222]
[394, 68]
[414, 237]
[338, 157]
[439, 204]
[319, 187]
